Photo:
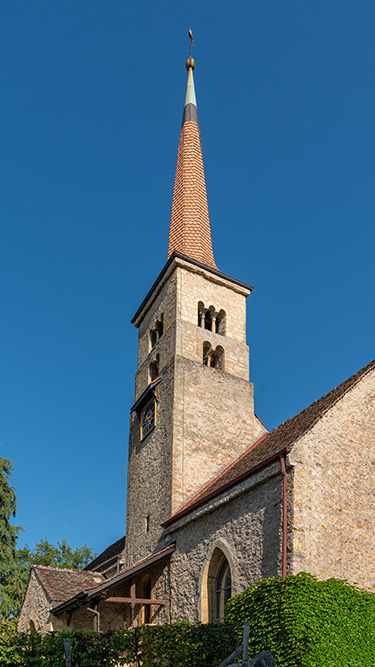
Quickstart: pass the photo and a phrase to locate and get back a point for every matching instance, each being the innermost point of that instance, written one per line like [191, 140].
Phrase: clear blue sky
[92, 96]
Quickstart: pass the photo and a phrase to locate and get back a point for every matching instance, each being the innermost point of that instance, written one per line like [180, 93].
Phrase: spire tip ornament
[190, 61]
[190, 232]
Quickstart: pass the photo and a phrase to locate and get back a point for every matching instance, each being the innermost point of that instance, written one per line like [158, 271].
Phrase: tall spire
[190, 231]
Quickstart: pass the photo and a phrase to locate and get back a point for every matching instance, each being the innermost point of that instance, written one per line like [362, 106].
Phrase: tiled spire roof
[190, 231]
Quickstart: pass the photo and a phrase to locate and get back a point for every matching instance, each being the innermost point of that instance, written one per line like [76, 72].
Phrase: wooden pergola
[133, 600]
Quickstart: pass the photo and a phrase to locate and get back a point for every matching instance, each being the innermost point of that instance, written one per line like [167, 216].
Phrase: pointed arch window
[223, 590]
[216, 587]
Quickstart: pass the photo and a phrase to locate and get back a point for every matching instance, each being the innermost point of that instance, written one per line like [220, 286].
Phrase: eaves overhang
[85, 597]
[168, 267]
[205, 499]
[148, 392]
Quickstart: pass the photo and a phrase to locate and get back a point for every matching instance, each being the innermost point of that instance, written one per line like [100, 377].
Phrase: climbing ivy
[309, 622]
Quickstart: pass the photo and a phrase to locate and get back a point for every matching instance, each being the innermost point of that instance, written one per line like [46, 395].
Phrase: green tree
[15, 563]
[44, 553]
[10, 583]
[61, 555]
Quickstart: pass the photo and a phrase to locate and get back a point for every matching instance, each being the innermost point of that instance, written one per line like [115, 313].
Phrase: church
[215, 502]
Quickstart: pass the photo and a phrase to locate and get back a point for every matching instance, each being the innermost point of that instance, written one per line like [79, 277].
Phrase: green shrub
[8, 642]
[309, 622]
[177, 645]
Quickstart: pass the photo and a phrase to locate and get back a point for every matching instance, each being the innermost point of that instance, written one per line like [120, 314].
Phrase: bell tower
[193, 411]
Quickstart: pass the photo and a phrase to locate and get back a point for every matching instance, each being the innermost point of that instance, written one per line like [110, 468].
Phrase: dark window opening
[157, 332]
[213, 358]
[146, 595]
[208, 321]
[154, 369]
[223, 590]
[218, 359]
[220, 323]
[201, 314]
[152, 338]
[206, 352]
[159, 328]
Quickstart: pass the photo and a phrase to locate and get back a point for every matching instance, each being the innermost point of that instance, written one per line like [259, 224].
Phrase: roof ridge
[63, 569]
[366, 369]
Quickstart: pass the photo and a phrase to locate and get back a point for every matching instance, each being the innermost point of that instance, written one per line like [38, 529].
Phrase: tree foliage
[15, 563]
[60, 555]
[44, 553]
[10, 586]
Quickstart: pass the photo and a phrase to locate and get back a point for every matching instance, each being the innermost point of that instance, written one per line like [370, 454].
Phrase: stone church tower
[194, 410]
[215, 502]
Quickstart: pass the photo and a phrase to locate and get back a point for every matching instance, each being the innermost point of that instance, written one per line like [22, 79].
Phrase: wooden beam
[134, 601]
[132, 593]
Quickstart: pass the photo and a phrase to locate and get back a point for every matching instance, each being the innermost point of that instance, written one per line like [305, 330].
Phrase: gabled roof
[61, 584]
[90, 593]
[110, 553]
[271, 445]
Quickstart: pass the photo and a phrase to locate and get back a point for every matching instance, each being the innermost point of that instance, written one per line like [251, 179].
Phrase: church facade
[215, 502]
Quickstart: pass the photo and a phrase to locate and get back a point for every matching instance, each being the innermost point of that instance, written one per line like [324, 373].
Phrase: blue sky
[92, 98]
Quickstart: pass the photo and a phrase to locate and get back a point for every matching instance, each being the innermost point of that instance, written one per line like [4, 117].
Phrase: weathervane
[190, 61]
[191, 40]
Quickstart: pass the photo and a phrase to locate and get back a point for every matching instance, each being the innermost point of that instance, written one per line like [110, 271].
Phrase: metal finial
[191, 39]
[190, 63]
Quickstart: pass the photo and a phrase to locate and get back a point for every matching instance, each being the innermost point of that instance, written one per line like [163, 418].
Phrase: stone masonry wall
[164, 304]
[213, 423]
[247, 529]
[177, 300]
[149, 476]
[193, 287]
[334, 495]
[205, 416]
[35, 607]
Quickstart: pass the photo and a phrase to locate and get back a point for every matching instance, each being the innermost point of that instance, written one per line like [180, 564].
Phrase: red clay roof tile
[60, 585]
